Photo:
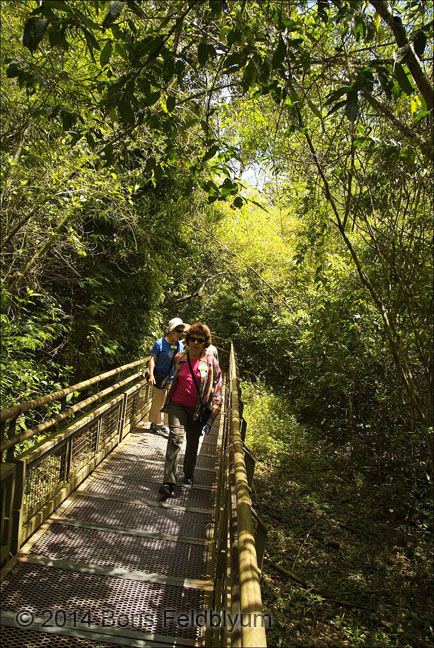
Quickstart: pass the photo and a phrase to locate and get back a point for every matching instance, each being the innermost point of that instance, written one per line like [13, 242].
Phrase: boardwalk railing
[240, 535]
[37, 480]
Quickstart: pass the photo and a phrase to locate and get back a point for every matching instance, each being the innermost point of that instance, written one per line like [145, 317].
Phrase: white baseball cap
[175, 322]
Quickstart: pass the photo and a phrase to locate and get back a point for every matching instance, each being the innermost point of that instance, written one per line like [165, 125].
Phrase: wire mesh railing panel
[43, 479]
[8, 473]
[139, 516]
[130, 408]
[141, 605]
[136, 404]
[144, 396]
[84, 446]
[110, 423]
[100, 547]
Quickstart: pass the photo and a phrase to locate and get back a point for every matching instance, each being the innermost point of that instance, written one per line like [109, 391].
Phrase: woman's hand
[151, 381]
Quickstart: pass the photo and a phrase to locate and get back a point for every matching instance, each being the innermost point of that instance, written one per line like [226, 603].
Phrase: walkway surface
[115, 564]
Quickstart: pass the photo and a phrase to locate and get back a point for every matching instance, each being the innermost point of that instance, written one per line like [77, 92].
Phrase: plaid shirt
[211, 381]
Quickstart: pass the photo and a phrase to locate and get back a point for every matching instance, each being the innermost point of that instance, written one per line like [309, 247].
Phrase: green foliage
[331, 523]
[27, 365]
[272, 426]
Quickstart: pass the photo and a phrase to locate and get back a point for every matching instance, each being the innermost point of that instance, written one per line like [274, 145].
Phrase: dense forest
[265, 167]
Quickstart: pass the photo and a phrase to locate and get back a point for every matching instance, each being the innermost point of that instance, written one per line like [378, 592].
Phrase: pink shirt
[185, 392]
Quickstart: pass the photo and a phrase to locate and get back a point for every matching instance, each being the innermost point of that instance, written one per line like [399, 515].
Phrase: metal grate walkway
[115, 564]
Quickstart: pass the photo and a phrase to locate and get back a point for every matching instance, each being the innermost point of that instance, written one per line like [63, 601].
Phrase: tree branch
[395, 23]
[403, 128]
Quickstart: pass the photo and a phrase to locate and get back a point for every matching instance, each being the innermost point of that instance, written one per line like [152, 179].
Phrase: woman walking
[193, 401]
[161, 369]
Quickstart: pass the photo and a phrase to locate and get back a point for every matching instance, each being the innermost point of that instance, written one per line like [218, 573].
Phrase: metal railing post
[68, 458]
[122, 419]
[8, 476]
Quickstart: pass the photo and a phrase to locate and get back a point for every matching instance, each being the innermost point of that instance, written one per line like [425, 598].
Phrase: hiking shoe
[167, 490]
[153, 428]
[165, 431]
[188, 481]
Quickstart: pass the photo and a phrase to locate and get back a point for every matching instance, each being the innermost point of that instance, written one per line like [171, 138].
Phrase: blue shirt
[164, 352]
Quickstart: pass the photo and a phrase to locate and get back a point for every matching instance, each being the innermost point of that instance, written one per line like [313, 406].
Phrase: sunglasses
[179, 330]
[192, 338]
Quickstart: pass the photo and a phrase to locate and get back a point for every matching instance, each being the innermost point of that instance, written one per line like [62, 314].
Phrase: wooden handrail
[16, 410]
[250, 591]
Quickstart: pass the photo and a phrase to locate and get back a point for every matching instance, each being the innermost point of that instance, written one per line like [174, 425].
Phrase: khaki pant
[158, 399]
[181, 423]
